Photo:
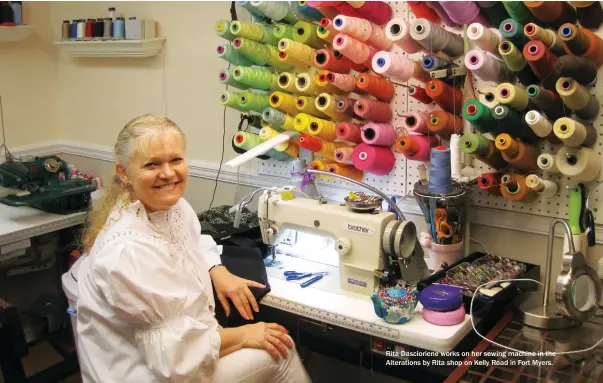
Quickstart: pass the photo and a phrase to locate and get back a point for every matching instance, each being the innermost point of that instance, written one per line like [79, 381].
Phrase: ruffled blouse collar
[161, 220]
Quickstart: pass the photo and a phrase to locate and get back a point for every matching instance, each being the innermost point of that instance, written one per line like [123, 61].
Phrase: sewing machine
[368, 241]
[45, 183]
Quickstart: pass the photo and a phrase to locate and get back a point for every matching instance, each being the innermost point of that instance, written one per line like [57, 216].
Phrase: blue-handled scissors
[294, 276]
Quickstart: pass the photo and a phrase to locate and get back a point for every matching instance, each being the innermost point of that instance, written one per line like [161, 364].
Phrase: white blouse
[145, 304]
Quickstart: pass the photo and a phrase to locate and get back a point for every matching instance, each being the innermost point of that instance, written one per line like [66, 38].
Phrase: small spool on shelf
[545, 188]
[517, 154]
[576, 97]
[573, 133]
[346, 171]
[512, 95]
[483, 149]
[546, 162]
[513, 188]
[490, 182]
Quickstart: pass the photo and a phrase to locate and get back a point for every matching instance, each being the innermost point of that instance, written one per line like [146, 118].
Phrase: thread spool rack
[405, 173]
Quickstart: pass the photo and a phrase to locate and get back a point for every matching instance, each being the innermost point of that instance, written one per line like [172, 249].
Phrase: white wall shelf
[15, 33]
[112, 48]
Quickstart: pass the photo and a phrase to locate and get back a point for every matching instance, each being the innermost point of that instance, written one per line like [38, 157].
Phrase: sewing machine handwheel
[399, 238]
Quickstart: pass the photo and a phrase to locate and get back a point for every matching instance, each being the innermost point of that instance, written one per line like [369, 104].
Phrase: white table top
[352, 311]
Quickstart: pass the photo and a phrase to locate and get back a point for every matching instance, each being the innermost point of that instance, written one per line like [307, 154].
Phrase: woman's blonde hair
[129, 139]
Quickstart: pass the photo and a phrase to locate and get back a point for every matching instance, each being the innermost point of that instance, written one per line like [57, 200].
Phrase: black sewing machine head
[45, 183]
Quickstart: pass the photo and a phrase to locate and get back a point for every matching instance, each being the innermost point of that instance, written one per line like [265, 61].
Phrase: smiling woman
[146, 305]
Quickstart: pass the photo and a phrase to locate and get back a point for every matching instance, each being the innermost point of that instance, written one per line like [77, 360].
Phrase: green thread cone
[258, 78]
[249, 31]
[231, 100]
[480, 116]
[228, 53]
[475, 144]
[307, 33]
[282, 31]
[258, 53]
[227, 79]
[253, 101]
[223, 30]
[269, 37]
[279, 156]
[274, 117]
[513, 123]
[516, 36]
[518, 11]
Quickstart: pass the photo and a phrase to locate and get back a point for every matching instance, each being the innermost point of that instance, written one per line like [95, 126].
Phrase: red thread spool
[334, 62]
[346, 105]
[419, 94]
[423, 11]
[372, 110]
[595, 47]
[328, 24]
[373, 159]
[346, 9]
[378, 12]
[89, 28]
[376, 86]
[416, 148]
[348, 131]
[542, 61]
[448, 98]
[309, 142]
[490, 182]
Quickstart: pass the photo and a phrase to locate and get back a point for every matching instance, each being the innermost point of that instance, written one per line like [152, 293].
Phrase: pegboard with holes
[402, 178]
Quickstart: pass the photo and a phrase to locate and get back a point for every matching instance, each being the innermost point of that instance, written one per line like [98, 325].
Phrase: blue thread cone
[440, 172]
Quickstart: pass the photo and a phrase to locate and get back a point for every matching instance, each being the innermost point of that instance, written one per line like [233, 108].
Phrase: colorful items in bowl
[395, 304]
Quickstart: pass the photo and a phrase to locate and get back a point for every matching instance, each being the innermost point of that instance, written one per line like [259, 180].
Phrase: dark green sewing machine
[41, 186]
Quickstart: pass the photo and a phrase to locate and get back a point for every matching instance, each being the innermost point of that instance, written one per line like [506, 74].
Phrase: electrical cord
[509, 348]
[481, 244]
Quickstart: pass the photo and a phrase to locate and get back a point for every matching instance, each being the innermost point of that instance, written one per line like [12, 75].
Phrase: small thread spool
[311, 143]
[276, 118]
[359, 29]
[542, 62]
[222, 29]
[574, 38]
[512, 95]
[348, 131]
[431, 63]
[306, 84]
[376, 86]
[302, 121]
[325, 34]
[282, 31]
[307, 105]
[323, 129]
[580, 164]
[539, 124]
[283, 102]
[326, 59]
[574, 134]
[485, 38]
[258, 53]
[483, 149]
[548, 37]
[325, 85]
[353, 49]
[513, 188]
[517, 154]
[595, 47]
[373, 159]
[435, 38]
[480, 116]
[228, 53]
[344, 82]
[397, 31]
[378, 134]
[373, 110]
[547, 101]
[555, 13]
[397, 67]
[490, 182]
[231, 100]
[326, 103]
[545, 188]
[286, 81]
[249, 31]
[327, 23]
[246, 140]
[487, 67]
[546, 162]
[306, 33]
[440, 171]
[419, 94]
[344, 155]
[284, 59]
[579, 68]
[346, 105]
[346, 171]
[320, 165]
[416, 148]
[226, 78]
[443, 123]
[297, 51]
[448, 98]
[414, 122]
[576, 97]
[253, 101]
[258, 78]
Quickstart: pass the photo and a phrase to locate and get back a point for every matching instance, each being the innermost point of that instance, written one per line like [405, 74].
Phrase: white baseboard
[522, 222]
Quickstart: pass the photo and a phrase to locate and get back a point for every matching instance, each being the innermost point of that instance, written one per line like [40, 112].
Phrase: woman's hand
[271, 337]
[230, 286]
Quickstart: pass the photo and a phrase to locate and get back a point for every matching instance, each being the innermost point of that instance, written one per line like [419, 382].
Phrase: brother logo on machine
[356, 282]
[358, 228]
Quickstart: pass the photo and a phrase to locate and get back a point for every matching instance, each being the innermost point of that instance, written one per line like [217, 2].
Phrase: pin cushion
[395, 304]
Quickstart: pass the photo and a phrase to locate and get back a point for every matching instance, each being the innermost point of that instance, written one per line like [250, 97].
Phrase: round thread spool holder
[360, 202]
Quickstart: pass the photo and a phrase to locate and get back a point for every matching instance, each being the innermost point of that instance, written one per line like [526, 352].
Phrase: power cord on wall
[8, 156]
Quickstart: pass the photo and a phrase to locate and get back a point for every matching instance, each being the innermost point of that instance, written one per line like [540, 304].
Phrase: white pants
[258, 366]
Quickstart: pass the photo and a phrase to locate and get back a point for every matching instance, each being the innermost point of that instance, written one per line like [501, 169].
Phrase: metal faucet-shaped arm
[366, 186]
[549, 255]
